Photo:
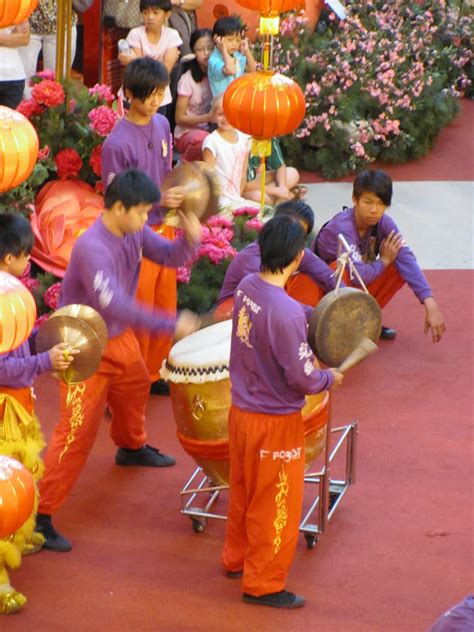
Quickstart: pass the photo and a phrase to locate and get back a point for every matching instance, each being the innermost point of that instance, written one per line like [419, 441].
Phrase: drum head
[339, 323]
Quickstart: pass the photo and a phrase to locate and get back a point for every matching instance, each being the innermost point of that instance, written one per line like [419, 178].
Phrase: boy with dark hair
[272, 368]
[232, 56]
[20, 432]
[378, 250]
[103, 273]
[314, 277]
[142, 140]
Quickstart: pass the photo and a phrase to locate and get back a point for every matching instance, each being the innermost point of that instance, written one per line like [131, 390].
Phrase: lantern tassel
[262, 198]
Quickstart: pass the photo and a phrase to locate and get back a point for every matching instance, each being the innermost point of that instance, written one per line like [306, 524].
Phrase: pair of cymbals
[80, 327]
[200, 185]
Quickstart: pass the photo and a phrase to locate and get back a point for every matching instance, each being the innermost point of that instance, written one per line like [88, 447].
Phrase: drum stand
[330, 491]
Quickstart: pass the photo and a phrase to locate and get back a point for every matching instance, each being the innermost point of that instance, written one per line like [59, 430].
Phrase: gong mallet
[365, 348]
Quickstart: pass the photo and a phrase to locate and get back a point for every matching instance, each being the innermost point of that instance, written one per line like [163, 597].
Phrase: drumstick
[365, 347]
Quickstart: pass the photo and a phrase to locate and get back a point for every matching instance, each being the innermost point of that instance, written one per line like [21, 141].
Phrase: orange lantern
[17, 495]
[18, 148]
[264, 104]
[17, 312]
[272, 7]
[15, 11]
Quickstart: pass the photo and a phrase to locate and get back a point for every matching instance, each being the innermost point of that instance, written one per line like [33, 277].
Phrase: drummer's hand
[338, 379]
[172, 198]
[61, 356]
[186, 323]
[390, 247]
[191, 226]
[433, 319]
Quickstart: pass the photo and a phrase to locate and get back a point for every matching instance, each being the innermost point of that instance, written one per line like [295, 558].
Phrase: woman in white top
[154, 39]
[12, 73]
[193, 106]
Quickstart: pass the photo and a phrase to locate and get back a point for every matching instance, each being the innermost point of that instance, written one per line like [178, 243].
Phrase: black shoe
[160, 387]
[234, 574]
[282, 599]
[53, 540]
[387, 333]
[146, 456]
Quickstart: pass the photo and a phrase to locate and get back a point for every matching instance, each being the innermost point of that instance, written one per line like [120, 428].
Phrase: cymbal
[214, 186]
[339, 323]
[78, 335]
[196, 188]
[90, 316]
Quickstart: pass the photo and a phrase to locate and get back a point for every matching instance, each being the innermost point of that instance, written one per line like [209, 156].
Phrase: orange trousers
[122, 382]
[156, 288]
[384, 287]
[266, 497]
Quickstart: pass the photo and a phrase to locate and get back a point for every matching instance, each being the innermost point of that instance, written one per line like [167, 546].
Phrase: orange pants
[156, 288]
[266, 497]
[122, 382]
[384, 287]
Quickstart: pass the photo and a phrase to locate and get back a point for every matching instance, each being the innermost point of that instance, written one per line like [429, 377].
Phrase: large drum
[198, 371]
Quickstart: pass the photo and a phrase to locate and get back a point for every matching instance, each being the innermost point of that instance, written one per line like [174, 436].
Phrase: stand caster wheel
[311, 540]
[198, 525]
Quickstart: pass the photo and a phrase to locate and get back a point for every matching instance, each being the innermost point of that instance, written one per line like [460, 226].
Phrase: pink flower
[43, 153]
[102, 91]
[46, 74]
[41, 320]
[254, 224]
[102, 120]
[251, 211]
[29, 108]
[218, 220]
[49, 93]
[183, 274]
[51, 296]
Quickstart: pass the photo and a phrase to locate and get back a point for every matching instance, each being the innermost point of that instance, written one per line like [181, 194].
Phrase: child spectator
[378, 250]
[103, 273]
[281, 182]
[20, 432]
[271, 370]
[232, 56]
[227, 151]
[154, 39]
[12, 73]
[193, 107]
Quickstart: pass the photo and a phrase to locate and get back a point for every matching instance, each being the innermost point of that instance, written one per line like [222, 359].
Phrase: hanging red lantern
[15, 11]
[17, 495]
[18, 148]
[264, 104]
[17, 312]
[272, 7]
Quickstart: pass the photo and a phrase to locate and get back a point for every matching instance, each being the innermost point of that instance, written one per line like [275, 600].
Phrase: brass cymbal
[78, 335]
[214, 186]
[196, 188]
[90, 316]
[339, 323]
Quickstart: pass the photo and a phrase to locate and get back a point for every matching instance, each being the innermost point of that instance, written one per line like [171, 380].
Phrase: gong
[339, 323]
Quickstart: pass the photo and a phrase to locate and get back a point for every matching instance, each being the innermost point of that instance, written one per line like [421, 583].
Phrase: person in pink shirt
[193, 107]
[154, 39]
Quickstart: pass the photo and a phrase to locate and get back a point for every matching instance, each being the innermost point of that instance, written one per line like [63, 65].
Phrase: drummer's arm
[170, 253]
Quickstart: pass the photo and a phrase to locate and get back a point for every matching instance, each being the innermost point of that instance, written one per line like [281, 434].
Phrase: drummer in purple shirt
[378, 250]
[308, 285]
[103, 273]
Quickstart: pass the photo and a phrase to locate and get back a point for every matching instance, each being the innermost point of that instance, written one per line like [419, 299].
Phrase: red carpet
[398, 552]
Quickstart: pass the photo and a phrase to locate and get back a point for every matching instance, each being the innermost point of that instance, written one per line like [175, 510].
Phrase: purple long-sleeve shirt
[147, 148]
[103, 273]
[248, 261]
[405, 263]
[18, 368]
[271, 364]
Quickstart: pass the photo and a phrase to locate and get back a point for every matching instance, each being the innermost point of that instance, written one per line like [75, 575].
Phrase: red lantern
[17, 495]
[264, 104]
[18, 148]
[15, 11]
[17, 312]
[272, 7]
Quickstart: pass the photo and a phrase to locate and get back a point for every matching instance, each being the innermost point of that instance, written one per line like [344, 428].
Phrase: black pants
[11, 93]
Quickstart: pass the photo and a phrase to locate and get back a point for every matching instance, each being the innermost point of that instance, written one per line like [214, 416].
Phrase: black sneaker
[146, 456]
[234, 574]
[160, 387]
[53, 540]
[282, 599]
[388, 333]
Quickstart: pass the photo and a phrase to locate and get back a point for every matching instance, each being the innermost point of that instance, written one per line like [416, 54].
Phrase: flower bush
[72, 122]
[379, 84]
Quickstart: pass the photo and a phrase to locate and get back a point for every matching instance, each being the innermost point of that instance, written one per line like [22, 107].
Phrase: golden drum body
[197, 369]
